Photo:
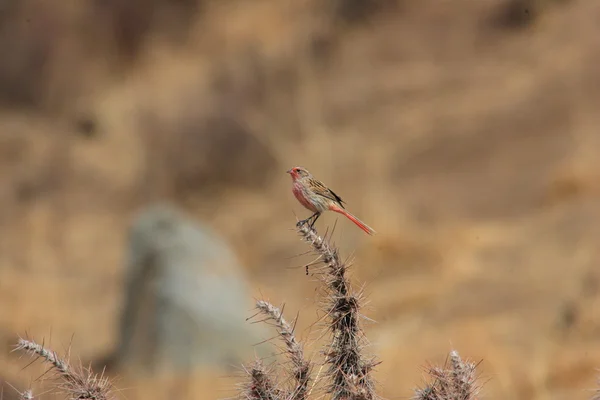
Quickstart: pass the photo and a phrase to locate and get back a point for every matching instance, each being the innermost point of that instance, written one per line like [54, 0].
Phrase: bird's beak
[289, 171]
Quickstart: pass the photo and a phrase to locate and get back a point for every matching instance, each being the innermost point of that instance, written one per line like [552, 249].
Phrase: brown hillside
[465, 133]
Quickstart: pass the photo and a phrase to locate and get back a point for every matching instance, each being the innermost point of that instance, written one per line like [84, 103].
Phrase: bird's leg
[304, 221]
[314, 218]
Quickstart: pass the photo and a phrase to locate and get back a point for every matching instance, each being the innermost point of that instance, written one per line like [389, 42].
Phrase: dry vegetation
[465, 133]
[347, 374]
[75, 384]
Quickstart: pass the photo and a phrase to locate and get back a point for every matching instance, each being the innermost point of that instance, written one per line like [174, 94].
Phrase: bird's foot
[302, 222]
[310, 221]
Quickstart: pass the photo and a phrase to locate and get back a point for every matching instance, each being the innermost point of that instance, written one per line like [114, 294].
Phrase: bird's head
[298, 173]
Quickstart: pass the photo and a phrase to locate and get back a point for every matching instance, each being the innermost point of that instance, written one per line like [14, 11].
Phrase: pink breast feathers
[298, 192]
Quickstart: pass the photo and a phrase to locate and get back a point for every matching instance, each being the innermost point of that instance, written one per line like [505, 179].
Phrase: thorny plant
[456, 381]
[77, 383]
[348, 370]
[347, 374]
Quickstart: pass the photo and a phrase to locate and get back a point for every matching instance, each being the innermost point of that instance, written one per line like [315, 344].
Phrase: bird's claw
[310, 221]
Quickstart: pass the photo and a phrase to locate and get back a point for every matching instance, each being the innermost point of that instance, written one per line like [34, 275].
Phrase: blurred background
[144, 200]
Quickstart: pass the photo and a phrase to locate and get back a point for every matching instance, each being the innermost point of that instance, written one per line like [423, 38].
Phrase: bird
[318, 198]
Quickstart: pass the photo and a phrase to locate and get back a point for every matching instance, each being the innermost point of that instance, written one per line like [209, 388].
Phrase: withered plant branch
[78, 383]
[456, 381]
[300, 367]
[348, 372]
[259, 385]
[24, 395]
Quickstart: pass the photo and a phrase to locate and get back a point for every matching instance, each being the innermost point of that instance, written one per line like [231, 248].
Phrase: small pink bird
[316, 197]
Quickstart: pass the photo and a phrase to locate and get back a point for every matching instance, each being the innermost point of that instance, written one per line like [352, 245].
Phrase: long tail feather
[352, 218]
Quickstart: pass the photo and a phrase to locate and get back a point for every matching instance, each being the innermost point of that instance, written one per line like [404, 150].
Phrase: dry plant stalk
[348, 370]
[300, 367]
[457, 381]
[78, 384]
[260, 385]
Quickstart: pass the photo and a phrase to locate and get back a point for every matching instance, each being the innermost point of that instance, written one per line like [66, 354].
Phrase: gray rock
[186, 298]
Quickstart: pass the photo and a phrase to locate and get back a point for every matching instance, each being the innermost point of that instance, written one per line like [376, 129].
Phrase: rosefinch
[316, 197]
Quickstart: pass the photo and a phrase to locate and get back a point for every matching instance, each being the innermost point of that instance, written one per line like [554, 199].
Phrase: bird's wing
[322, 190]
